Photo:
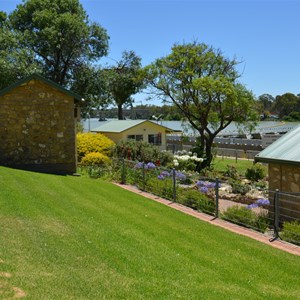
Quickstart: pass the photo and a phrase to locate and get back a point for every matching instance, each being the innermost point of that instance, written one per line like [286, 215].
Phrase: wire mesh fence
[276, 214]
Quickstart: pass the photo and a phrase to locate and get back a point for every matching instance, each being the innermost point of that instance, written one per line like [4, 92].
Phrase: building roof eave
[76, 97]
[276, 161]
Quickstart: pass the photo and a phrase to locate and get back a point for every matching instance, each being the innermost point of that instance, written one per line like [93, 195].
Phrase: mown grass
[220, 164]
[65, 237]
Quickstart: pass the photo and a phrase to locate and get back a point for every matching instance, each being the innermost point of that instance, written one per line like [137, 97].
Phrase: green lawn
[64, 237]
[241, 165]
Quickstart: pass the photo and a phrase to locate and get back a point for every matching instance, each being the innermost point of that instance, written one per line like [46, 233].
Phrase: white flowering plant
[186, 161]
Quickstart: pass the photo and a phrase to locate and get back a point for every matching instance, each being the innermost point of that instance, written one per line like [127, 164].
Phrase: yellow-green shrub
[93, 142]
[95, 159]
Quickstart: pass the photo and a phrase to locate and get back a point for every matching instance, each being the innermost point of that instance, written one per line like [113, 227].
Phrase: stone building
[283, 159]
[37, 126]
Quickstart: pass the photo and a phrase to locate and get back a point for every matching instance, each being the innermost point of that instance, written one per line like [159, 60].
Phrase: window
[136, 137]
[154, 139]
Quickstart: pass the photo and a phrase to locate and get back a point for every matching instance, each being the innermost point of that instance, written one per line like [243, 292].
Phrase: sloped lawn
[64, 237]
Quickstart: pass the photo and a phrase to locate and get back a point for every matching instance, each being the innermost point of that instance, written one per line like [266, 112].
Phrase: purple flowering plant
[180, 176]
[203, 189]
[258, 203]
[139, 165]
[205, 186]
[262, 201]
[150, 165]
[160, 177]
[163, 175]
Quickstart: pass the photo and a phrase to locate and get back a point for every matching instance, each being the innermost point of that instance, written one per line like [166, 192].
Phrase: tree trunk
[205, 147]
[208, 151]
[120, 112]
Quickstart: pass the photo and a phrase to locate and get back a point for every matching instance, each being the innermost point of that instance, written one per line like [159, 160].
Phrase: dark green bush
[196, 200]
[240, 188]
[291, 232]
[231, 172]
[246, 217]
[255, 173]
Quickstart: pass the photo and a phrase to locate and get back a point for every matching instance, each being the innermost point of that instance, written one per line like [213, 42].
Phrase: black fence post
[174, 184]
[123, 175]
[276, 214]
[217, 198]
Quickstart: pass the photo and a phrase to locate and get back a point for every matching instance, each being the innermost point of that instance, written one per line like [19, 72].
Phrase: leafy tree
[90, 83]
[265, 102]
[15, 62]
[203, 85]
[293, 117]
[286, 103]
[124, 80]
[59, 34]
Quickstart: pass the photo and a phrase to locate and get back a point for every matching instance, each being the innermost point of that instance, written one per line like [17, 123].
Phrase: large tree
[59, 34]
[265, 102]
[15, 61]
[286, 104]
[124, 80]
[90, 83]
[203, 85]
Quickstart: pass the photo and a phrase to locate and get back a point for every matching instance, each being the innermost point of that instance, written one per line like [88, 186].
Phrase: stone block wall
[37, 128]
[286, 178]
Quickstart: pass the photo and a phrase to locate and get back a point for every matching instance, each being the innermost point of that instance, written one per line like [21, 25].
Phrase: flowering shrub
[94, 159]
[180, 176]
[139, 165]
[92, 142]
[163, 175]
[206, 186]
[259, 203]
[186, 161]
[147, 166]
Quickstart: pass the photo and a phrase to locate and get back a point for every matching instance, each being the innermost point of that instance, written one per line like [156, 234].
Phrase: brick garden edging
[279, 244]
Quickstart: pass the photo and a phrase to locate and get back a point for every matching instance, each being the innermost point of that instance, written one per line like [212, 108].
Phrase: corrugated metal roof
[285, 150]
[122, 125]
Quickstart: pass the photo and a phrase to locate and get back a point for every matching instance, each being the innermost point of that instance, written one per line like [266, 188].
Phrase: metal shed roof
[285, 150]
[122, 125]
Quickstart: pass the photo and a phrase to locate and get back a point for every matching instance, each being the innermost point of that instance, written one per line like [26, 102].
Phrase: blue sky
[264, 35]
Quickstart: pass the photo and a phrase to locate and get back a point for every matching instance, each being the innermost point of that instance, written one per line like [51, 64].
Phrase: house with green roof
[37, 126]
[283, 159]
[137, 130]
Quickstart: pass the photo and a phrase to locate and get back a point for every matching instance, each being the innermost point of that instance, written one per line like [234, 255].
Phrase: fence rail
[277, 214]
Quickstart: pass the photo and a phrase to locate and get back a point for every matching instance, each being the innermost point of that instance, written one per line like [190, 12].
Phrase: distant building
[37, 126]
[137, 130]
[268, 139]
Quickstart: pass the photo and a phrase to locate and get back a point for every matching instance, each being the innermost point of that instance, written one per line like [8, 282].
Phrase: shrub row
[244, 216]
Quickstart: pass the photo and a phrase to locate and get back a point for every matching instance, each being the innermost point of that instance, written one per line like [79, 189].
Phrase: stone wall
[286, 178]
[37, 128]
